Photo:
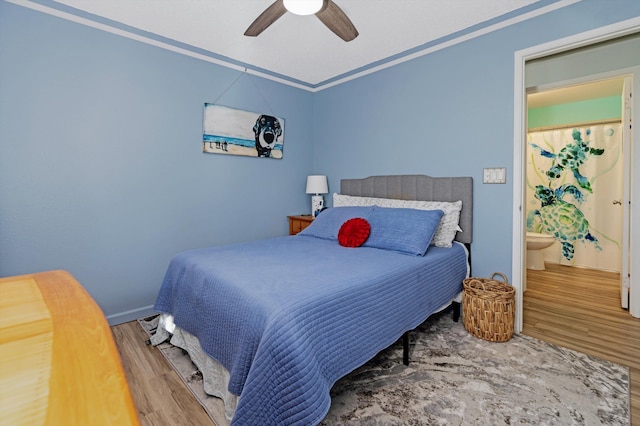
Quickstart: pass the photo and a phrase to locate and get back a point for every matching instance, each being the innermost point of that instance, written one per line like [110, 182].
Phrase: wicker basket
[488, 308]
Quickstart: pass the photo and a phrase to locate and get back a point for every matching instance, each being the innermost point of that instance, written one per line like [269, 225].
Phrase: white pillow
[446, 232]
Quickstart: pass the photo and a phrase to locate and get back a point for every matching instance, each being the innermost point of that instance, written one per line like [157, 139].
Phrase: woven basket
[488, 308]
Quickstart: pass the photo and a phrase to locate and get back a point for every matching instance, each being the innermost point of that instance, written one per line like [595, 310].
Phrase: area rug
[457, 379]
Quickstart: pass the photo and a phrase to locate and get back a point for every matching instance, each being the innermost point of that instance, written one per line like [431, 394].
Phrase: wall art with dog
[236, 132]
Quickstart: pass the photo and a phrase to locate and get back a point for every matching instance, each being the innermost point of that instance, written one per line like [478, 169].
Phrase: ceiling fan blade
[270, 15]
[337, 21]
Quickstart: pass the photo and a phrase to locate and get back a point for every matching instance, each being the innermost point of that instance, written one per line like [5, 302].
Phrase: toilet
[535, 244]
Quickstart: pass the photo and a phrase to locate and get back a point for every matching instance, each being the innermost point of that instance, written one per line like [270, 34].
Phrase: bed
[276, 322]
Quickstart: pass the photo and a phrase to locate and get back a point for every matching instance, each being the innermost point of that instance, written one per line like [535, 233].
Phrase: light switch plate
[494, 175]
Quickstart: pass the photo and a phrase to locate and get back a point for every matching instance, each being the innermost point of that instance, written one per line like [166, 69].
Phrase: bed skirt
[214, 376]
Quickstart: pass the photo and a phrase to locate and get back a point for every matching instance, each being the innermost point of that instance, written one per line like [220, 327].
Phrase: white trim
[456, 40]
[131, 315]
[148, 40]
[519, 130]
[634, 219]
[626, 266]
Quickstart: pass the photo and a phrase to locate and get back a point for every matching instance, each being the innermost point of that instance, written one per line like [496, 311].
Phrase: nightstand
[298, 223]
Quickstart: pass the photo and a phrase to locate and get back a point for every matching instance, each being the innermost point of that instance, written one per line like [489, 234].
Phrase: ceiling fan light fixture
[303, 7]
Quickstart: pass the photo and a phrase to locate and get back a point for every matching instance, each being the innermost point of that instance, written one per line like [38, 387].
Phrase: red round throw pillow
[354, 232]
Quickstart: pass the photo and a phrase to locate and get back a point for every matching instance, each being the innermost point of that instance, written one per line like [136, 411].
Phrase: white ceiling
[300, 49]
[576, 93]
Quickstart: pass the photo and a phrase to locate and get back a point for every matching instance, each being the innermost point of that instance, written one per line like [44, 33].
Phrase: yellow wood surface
[26, 342]
[59, 363]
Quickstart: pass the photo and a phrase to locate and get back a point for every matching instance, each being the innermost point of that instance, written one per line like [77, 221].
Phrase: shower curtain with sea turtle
[575, 191]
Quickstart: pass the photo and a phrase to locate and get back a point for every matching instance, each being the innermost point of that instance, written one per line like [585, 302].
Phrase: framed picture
[231, 131]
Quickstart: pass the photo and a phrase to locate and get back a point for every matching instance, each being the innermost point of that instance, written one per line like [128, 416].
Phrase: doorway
[629, 32]
[575, 190]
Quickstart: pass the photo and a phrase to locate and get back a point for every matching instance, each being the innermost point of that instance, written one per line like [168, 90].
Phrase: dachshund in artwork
[267, 131]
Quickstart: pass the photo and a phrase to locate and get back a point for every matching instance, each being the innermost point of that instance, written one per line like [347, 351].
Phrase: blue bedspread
[289, 316]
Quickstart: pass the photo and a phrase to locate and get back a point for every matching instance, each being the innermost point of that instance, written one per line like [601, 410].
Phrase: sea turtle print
[561, 219]
[571, 157]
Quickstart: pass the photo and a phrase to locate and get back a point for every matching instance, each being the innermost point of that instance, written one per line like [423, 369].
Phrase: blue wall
[448, 113]
[101, 170]
[101, 164]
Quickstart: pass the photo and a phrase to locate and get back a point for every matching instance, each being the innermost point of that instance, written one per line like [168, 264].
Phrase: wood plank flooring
[562, 305]
[580, 309]
[160, 395]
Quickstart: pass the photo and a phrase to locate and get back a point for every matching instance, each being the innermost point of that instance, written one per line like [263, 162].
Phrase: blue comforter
[289, 316]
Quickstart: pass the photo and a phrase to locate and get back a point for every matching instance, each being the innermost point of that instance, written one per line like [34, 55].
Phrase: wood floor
[562, 305]
[159, 394]
[580, 309]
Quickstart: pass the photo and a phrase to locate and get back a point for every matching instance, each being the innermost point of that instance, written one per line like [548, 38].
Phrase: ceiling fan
[326, 10]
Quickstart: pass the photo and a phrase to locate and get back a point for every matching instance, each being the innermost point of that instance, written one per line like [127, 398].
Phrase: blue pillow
[327, 224]
[402, 230]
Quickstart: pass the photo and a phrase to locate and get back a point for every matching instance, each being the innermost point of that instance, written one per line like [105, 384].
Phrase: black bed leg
[405, 348]
[456, 311]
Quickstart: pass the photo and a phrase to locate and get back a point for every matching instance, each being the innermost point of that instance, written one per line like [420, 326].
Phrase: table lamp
[317, 184]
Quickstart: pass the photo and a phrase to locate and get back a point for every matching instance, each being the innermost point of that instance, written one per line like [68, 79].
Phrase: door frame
[518, 274]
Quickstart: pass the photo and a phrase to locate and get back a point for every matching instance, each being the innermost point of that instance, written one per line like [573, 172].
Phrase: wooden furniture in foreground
[298, 223]
[59, 364]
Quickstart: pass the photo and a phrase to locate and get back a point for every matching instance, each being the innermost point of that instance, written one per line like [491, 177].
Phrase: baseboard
[131, 315]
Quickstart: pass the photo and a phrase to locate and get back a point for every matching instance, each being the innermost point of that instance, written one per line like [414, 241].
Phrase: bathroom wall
[568, 206]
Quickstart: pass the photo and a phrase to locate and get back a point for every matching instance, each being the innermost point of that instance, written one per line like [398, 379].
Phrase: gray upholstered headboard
[422, 188]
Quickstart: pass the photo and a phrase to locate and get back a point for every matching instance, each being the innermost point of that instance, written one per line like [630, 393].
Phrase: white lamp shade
[303, 7]
[317, 184]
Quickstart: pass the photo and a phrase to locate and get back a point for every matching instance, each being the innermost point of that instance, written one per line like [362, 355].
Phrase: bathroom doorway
[598, 54]
[575, 188]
